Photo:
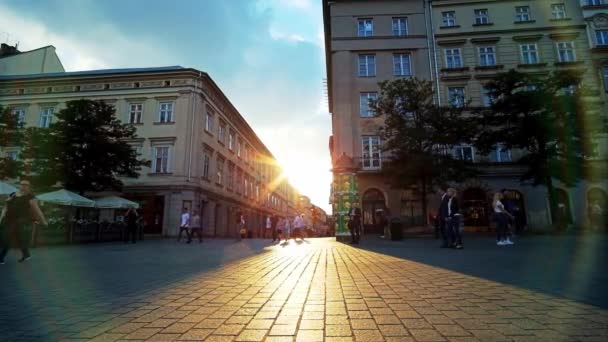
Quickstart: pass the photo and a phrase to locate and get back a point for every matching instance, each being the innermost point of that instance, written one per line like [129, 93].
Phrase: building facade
[460, 44]
[204, 155]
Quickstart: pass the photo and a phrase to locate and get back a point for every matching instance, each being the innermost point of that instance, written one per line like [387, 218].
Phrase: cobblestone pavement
[317, 290]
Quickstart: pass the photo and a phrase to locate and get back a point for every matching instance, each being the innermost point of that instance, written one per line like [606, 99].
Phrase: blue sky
[267, 56]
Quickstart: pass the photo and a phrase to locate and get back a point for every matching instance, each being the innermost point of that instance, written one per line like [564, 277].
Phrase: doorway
[373, 201]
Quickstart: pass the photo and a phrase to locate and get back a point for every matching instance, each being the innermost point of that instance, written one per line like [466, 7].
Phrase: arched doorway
[563, 216]
[373, 200]
[475, 207]
[597, 210]
[514, 204]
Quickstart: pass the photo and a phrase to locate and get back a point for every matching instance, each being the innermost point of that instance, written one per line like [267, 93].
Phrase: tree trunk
[552, 201]
[423, 198]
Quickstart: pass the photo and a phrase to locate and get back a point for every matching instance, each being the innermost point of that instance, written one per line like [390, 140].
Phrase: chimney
[7, 50]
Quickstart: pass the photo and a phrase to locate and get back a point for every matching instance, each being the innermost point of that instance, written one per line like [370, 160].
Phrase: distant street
[544, 288]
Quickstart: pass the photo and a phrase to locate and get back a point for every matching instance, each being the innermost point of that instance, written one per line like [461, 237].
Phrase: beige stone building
[204, 155]
[38, 61]
[459, 45]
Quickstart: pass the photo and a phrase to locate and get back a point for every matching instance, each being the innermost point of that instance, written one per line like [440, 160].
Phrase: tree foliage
[418, 136]
[86, 149]
[11, 135]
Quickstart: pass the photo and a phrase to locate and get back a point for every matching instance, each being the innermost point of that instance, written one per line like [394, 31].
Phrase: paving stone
[252, 335]
[342, 330]
[196, 334]
[368, 335]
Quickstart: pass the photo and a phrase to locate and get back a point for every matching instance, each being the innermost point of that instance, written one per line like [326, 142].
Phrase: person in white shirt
[184, 224]
[268, 233]
[501, 216]
[286, 228]
[195, 227]
[299, 226]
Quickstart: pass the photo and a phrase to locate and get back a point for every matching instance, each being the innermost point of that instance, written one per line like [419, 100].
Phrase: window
[239, 181]
[220, 171]
[522, 13]
[364, 109]
[487, 56]
[367, 65]
[365, 27]
[558, 11]
[371, 153]
[399, 26]
[453, 58]
[221, 132]
[481, 16]
[402, 64]
[230, 184]
[565, 52]
[246, 182]
[46, 117]
[12, 155]
[161, 159]
[601, 37]
[209, 122]
[231, 140]
[19, 113]
[465, 153]
[487, 98]
[529, 55]
[135, 112]
[206, 165]
[456, 96]
[605, 77]
[165, 113]
[448, 18]
[138, 150]
[500, 155]
[595, 2]
[238, 147]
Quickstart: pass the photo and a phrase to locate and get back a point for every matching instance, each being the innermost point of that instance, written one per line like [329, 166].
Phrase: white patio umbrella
[65, 197]
[115, 202]
[6, 189]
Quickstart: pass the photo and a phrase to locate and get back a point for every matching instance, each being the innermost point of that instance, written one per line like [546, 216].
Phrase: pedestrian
[195, 227]
[274, 221]
[240, 225]
[184, 225]
[453, 219]
[286, 228]
[501, 217]
[268, 232]
[298, 224]
[131, 218]
[280, 225]
[383, 220]
[442, 214]
[19, 213]
[354, 224]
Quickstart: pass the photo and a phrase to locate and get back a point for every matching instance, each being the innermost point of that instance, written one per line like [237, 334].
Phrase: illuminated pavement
[311, 291]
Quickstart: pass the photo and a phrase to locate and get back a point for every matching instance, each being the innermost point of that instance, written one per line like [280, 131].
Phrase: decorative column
[345, 192]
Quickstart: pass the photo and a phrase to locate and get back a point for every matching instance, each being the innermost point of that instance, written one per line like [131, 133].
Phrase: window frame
[165, 112]
[398, 32]
[135, 116]
[461, 148]
[209, 118]
[369, 96]
[221, 132]
[558, 11]
[519, 15]
[46, 116]
[362, 31]
[20, 113]
[370, 141]
[563, 47]
[448, 19]
[604, 37]
[155, 167]
[483, 55]
[401, 64]
[535, 50]
[452, 56]
[461, 103]
[480, 16]
[368, 70]
[499, 159]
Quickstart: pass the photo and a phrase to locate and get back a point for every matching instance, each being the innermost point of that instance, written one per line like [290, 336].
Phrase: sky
[266, 55]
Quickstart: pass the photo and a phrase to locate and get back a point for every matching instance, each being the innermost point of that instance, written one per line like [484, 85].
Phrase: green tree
[552, 118]
[418, 136]
[84, 150]
[11, 134]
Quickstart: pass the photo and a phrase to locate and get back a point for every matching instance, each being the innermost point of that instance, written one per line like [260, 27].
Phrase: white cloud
[103, 48]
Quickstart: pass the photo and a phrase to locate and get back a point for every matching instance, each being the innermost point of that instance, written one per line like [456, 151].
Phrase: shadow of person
[299, 242]
[284, 244]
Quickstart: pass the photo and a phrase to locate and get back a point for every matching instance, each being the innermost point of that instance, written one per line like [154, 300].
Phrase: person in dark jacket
[453, 219]
[131, 220]
[354, 224]
[442, 214]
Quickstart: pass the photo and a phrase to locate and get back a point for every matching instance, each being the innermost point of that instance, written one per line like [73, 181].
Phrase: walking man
[195, 227]
[453, 219]
[184, 225]
[354, 224]
[298, 224]
[20, 212]
[441, 217]
[131, 218]
[274, 220]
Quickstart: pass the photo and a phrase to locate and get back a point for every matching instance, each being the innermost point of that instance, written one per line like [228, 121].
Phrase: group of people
[191, 225]
[279, 228]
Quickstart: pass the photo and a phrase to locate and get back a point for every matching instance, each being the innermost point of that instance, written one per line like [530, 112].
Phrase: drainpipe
[434, 43]
[194, 100]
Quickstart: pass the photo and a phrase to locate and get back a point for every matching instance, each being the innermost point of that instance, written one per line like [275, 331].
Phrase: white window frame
[367, 65]
[400, 27]
[209, 122]
[238, 147]
[594, 2]
[231, 140]
[601, 37]
[371, 159]
[400, 62]
[451, 57]
[569, 52]
[221, 132]
[458, 101]
[448, 19]
[499, 158]
[526, 51]
[486, 99]
[220, 170]
[12, 155]
[46, 117]
[558, 11]
[459, 152]
[135, 115]
[485, 54]
[365, 27]
[155, 156]
[522, 13]
[364, 98]
[20, 113]
[165, 111]
[482, 16]
[206, 164]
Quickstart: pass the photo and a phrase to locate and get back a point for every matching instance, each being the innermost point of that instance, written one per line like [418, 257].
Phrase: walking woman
[20, 212]
[501, 216]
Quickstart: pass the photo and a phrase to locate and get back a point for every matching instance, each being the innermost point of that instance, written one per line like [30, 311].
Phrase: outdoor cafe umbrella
[65, 197]
[6, 189]
[115, 202]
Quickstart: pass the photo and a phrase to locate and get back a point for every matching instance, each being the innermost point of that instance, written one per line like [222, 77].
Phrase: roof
[24, 52]
[93, 72]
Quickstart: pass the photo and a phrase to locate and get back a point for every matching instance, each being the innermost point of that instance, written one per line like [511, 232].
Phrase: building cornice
[513, 31]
